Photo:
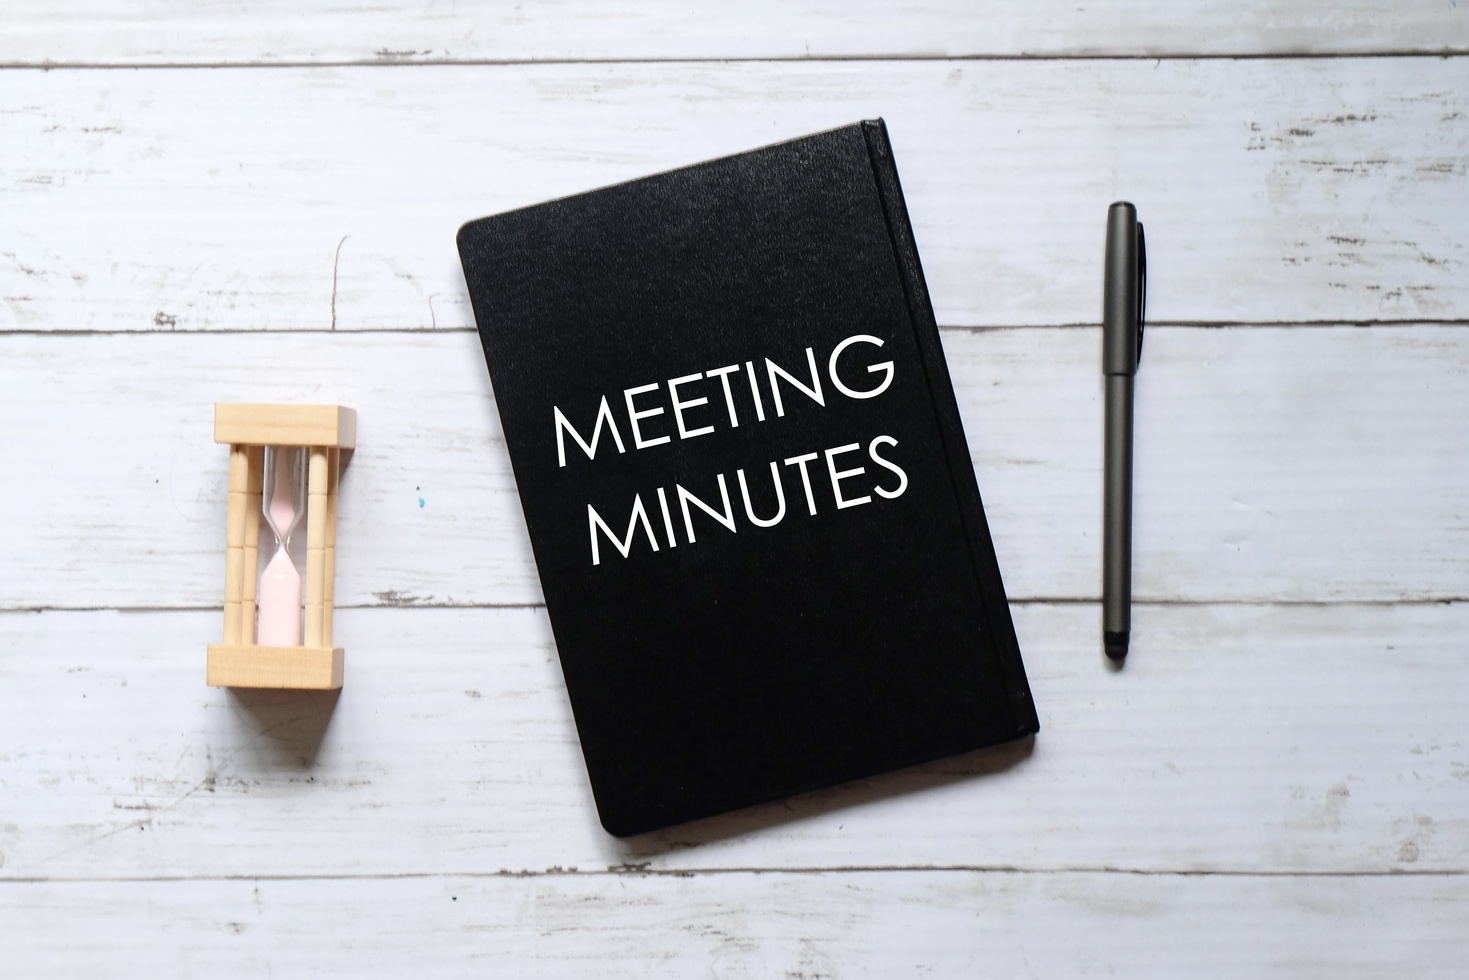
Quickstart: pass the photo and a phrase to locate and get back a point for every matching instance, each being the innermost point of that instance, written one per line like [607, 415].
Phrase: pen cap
[1122, 291]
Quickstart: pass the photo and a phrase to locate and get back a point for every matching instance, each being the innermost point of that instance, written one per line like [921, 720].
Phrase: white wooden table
[260, 205]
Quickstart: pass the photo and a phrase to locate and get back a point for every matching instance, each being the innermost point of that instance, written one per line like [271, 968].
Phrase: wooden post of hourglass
[316, 489]
[333, 477]
[323, 430]
[252, 542]
[246, 463]
[234, 554]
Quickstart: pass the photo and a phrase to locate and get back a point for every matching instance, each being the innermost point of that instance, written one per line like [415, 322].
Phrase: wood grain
[236, 522]
[1273, 191]
[1272, 464]
[309, 667]
[285, 425]
[1237, 740]
[89, 32]
[745, 925]
[1276, 785]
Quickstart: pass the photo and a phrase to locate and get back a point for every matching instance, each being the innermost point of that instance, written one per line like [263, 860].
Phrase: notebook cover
[716, 657]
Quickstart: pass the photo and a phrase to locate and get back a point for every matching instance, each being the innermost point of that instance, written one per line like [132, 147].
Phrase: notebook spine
[961, 469]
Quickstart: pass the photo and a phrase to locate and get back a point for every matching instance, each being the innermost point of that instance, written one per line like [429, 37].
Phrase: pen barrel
[1117, 506]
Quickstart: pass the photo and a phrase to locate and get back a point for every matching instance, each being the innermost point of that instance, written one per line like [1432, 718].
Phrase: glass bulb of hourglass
[280, 583]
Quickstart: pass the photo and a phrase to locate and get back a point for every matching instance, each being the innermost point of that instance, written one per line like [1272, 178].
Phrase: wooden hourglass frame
[323, 431]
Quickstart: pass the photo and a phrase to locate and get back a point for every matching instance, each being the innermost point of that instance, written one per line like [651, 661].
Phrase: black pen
[1123, 296]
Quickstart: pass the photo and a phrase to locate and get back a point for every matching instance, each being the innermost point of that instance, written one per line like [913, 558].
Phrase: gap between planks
[976, 328]
[644, 871]
[395, 62]
[1025, 601]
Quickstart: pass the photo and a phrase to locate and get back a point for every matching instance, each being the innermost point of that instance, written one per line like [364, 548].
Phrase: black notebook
[753, 510]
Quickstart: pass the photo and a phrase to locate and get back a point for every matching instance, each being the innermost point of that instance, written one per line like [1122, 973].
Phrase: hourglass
[284, 467]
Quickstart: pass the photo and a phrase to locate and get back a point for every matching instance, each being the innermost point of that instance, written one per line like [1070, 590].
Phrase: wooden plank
[89, 32]
[792, 925]
[1300, 190]
[1272, 464]
[1238, 739]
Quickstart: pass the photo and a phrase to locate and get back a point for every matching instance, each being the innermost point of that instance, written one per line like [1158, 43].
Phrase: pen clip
[1142, 287]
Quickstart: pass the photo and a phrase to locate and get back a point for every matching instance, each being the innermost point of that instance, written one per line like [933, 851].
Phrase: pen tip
[1115, 643]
